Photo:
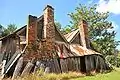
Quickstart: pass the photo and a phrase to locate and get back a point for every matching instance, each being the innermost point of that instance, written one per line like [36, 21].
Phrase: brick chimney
[31, 37]
[49, 30]
[83, 28]
[31, 29]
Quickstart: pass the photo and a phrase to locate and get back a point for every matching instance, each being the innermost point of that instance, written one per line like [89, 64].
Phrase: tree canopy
[5, 31]
[101, 38]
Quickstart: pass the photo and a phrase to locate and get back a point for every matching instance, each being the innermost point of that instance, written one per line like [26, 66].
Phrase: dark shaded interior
[83, 66]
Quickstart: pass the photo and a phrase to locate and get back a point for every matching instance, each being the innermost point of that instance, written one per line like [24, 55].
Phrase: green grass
[114, 75]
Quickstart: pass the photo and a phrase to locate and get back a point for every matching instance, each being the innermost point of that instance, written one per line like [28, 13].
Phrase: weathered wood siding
[9, 47]
[1, 54]
[58, 37]
[0, 46]
[77, 40]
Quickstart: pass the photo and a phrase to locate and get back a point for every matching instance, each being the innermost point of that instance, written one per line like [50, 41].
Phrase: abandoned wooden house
[41, 44]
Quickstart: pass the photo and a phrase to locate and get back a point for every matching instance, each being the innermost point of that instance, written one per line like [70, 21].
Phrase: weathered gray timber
[47, 70]
[56, 66]
[18, 68]
[64, 67]
[37, 66]
[27, 68]
[69, 62]
[92, 63]
[87, 62]
[11, 62]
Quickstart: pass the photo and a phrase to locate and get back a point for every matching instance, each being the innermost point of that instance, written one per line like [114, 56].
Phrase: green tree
[98, 26]
[63, 30]
[1, 30]
[106, 44]
[10, 29]
[66, 30]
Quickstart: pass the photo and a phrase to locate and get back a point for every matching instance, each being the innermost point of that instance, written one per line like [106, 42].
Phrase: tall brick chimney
[31, 29]
[49, 30]
[83, 28]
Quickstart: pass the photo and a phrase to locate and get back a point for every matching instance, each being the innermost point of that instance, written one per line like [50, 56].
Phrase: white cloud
[112, 6]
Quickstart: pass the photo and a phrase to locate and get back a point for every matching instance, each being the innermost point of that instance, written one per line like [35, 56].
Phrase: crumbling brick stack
[31, 37]
[83, 28]
[49, 30]
[48, 35]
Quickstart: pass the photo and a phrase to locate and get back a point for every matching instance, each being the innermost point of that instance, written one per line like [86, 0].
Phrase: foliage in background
[5, 31]
[63, 30]
[102, 39]
[113, 60]
[106, 44]
[1, 30]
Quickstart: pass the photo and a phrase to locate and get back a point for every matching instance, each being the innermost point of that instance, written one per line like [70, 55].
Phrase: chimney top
[32, 16]
[49, 6]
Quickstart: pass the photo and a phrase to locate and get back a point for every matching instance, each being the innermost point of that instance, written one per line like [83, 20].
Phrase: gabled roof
[18, 30]
[77, 49]
[24, 27]
[71, 36]
[73, 50]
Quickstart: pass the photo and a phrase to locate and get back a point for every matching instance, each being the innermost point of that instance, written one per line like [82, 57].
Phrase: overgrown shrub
[114, 61]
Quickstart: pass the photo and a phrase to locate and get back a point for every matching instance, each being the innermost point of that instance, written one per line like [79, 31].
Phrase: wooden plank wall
[9, 48]
[65, 65]
[73, 64]
[0, 46]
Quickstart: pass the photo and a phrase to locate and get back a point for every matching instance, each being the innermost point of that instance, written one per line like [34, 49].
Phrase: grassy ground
[114, 75]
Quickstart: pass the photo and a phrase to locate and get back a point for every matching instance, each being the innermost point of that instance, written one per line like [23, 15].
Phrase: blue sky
[16, 11]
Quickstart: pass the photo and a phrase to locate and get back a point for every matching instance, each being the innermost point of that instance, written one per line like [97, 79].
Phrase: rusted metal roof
[71, 35]
[81, 51]
[73, 50]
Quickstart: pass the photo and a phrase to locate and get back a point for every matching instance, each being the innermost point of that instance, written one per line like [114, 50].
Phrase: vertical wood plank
[0, 46]
[87, 62]
[92, 63]
[73, 63]
[97, 64]
[27, 68]
[57, 67]
[18, 68]
[69, 62]
[78, 64]
[63, 65]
